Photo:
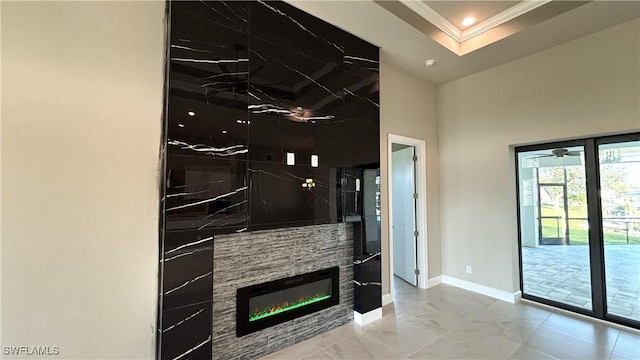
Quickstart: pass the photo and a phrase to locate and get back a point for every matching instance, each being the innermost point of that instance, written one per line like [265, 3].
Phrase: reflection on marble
[290, 80]
[279, 197]
[204, 193]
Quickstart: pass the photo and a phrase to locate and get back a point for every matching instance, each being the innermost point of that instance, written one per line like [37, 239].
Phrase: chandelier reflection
[308, 184]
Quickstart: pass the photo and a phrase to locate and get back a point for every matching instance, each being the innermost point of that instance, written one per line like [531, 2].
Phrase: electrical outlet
[469, 269]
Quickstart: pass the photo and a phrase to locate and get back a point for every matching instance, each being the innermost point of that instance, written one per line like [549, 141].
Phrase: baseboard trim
[482, 289]
[580, 316]
[386, 299]
[517, 296]
[434, 281]
[368, 317]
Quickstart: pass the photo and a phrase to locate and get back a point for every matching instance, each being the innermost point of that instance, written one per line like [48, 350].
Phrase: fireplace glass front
[264, 305]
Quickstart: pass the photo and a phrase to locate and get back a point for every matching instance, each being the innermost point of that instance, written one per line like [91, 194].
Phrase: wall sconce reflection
[308, 184]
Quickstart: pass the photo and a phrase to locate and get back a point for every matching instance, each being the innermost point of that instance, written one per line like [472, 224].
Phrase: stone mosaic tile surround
[250, 258]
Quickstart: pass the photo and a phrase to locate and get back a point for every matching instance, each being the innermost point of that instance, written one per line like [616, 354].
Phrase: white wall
[408, 108]
[585, 87]
[82, 97]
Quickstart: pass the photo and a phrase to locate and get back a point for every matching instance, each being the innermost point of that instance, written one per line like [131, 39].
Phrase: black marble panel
[363, 146]
[209, 72]
[286, 26]
[367, 293]
[362, 98]
[206, 193]
[290, 84]
[186, 332]
[272, 137]
[361, 77]
[187, 268]
[208, 131]
[190, 16]
[361, 194]
[278, 198]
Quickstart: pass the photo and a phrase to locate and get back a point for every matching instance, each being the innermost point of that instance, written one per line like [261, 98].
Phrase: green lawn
[578, 236]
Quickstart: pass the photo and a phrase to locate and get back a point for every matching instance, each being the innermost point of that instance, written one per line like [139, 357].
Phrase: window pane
[553, 225]
[620, 198]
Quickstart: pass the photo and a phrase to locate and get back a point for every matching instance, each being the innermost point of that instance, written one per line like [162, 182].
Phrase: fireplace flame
[286, 306]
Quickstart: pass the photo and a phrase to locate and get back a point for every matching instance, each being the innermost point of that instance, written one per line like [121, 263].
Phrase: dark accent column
[360, 195]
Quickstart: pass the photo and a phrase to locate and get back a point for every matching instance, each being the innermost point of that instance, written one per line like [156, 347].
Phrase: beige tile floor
[445, 322]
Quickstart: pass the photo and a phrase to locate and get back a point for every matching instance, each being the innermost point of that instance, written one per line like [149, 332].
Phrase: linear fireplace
[264, 305]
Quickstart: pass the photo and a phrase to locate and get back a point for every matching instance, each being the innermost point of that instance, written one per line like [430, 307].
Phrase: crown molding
[427, 13]
[501, 18]
[433, 17]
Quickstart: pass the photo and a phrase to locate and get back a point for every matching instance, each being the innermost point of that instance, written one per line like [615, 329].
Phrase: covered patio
[561, 273]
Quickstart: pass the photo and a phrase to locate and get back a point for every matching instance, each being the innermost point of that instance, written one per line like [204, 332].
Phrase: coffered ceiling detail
[495, 20]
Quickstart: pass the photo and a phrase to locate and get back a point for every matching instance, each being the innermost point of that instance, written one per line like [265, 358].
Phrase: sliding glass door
[579, 225]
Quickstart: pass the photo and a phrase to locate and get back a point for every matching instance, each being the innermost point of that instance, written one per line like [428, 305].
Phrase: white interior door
[404, 244]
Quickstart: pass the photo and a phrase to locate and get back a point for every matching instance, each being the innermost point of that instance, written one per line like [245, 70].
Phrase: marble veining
[349, 92]
[188, 283]
[228, 7]
[349, 58]
[211, 150]
[207, 200]
[209, 61]
[372, 256]
[184, 320]
[367, 283]
[189, 244]
[193, 349]
[184, 254]
[221, 211]
[281, 13]
[270, 108]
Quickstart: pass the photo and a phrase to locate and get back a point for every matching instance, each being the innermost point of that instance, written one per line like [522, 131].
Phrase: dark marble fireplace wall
[249, 82]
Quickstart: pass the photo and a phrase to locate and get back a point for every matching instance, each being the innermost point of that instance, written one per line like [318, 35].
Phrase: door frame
[596, 235]
[421, 206]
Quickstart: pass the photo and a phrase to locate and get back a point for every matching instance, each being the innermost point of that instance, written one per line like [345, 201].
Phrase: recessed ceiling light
[468, 21]
[191, 113]
[180, 125]
[224, 131]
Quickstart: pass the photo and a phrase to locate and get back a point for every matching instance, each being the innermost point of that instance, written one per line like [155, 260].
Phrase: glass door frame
[595, 234]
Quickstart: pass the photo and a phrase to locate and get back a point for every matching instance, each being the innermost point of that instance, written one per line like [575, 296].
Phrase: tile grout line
[613, 349]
